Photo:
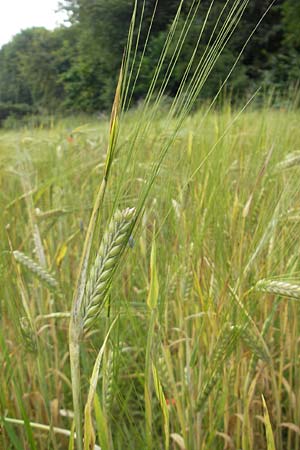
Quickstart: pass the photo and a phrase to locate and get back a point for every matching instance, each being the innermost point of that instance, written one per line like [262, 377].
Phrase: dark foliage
[76, 68]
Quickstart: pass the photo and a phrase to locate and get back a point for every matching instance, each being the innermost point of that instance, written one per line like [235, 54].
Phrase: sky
[16, 15]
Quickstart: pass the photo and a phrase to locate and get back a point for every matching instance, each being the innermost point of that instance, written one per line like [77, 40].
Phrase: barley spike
[36, 269]
[101, 274]
[280, 288]
[29, 337]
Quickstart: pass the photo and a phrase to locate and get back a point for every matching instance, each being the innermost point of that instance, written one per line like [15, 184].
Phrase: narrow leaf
[269, 431]
[154, 286]
[163, 404]
[89, 434]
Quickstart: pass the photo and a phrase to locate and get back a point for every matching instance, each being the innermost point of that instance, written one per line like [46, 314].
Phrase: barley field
[192, 295]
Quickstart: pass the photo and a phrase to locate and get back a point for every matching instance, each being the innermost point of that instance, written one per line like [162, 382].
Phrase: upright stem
[148, 382]
[75, 328]
[74, 346]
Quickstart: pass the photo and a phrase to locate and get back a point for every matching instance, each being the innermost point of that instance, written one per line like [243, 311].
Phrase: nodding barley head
[291, 160]
[279, 287]
[37, 270]
[28, 335]
[112, 246]
[108, 376]
[254, 342]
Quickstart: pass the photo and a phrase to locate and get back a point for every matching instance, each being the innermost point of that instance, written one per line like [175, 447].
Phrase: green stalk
[152, 301]
[75, 330]
[74, 348]
[149, 382]
[76, 322]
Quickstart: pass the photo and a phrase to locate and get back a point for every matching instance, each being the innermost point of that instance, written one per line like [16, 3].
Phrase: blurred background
[66, 55]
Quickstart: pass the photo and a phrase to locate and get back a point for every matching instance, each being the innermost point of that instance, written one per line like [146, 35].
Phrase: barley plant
[150, 267]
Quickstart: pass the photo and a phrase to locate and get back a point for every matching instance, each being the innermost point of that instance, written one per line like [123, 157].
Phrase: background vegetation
[75, 68]
[213, 246]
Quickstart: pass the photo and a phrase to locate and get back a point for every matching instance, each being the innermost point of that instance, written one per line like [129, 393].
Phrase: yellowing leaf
[101, 424]
[89, 433]
[72, 435]
[61, 254]
[163, 405]
[269, 431]
[178, 440]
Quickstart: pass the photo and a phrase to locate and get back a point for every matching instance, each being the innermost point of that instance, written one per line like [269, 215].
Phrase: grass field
[198, 346]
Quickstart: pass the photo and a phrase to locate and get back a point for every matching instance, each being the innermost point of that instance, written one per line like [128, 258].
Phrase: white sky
[16, 15]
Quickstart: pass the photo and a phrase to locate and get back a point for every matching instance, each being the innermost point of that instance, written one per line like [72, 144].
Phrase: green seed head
[112, 246]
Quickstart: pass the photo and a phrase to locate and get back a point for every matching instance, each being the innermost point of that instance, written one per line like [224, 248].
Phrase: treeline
[75, 68]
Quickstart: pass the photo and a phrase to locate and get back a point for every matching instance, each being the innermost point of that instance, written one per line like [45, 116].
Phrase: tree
[14, 87]
[76, 68]
[291, 23]
[32, 67]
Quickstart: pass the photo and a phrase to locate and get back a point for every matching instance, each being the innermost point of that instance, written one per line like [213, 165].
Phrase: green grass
[221, 224]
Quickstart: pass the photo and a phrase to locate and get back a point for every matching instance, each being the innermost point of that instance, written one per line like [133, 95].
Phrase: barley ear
[107, 385]
[222, 351]
[36, 269]
[254, 342]
[28, 334]
[282, 288]
[101, 274]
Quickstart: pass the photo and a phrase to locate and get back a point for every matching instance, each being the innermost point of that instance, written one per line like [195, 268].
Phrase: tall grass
[190, 354]
[204, 242]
